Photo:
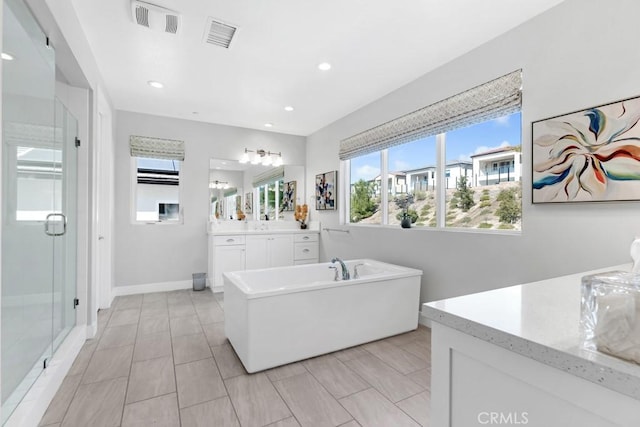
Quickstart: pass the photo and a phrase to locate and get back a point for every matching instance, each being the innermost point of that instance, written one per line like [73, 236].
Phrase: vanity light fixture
[267, 158]
[221, 185]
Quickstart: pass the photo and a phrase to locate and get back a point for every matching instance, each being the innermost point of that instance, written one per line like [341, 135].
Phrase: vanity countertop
[539, 320]
[252, 231]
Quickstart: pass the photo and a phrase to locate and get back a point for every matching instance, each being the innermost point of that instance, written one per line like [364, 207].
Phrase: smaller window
[157, 194]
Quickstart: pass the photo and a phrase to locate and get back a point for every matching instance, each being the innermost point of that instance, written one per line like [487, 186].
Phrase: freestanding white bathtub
[280, 315]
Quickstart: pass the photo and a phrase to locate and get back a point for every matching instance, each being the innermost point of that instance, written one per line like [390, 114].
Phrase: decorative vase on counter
[405, 222]
[300, 215]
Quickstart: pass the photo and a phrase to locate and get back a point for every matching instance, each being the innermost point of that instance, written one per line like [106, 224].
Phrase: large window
[481, 179]
[454, 163]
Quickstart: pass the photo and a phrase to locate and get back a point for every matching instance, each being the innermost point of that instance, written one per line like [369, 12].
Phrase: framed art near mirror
[326, 191]
[289, 196]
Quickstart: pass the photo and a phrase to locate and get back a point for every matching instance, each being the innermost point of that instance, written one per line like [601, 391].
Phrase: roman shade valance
[490, 100]
[268, 176]
[156, 148]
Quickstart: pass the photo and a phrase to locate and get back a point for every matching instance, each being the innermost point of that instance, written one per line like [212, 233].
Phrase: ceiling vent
[155, 17]
[218, 33]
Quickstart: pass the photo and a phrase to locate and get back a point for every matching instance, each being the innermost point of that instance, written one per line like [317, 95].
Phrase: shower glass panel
[64, 253]
[38, 191]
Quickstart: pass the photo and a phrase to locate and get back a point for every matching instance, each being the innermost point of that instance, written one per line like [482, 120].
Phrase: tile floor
[162, 359]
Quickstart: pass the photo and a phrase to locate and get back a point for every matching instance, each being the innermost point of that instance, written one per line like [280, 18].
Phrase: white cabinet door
[280, 250]
[269, 250]
[257, 251]
[228, 258]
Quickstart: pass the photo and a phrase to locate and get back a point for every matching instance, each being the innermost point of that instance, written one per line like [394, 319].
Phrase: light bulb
[256, 159]
[244, 158]
[278, 161]
[267, 160]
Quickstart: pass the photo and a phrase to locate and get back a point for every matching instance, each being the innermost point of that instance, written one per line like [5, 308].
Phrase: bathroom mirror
[261, 192]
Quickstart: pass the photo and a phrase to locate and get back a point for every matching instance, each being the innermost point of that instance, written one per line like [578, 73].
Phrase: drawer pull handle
[305, 238]
[305, 250]
[231, 240]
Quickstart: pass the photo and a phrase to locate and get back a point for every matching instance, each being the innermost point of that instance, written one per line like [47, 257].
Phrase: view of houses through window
[482, 180]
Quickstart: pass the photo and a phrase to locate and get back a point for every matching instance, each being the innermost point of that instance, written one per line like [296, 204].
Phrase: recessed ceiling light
[7, 57]
[268, 125]
[155, 84]
[324, 66]
[288, 108]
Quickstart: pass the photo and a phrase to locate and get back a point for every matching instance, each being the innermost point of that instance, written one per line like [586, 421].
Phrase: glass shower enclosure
[39, 166]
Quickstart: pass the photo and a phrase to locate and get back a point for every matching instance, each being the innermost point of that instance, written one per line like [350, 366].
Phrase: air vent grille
[142, 15]
[155, 17]
[218, 33]
[172, 24]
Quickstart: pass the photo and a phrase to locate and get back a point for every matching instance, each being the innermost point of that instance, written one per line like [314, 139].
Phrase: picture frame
[248, 203]
[590, 155]
[238, 202]
[289, 196]
[326, 191]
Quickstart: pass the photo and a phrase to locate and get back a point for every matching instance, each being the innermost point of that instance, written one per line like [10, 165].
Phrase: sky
[460, 145]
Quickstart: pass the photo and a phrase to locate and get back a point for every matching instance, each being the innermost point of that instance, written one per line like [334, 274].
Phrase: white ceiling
[374, 46]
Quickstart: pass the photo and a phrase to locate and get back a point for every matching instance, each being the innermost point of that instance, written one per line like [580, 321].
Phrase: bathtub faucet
[345, 270]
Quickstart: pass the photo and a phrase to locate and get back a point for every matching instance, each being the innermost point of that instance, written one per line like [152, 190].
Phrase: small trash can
[199, 281]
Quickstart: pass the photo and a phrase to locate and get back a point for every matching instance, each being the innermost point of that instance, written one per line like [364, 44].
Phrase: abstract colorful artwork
[326, 191]
[289, 196]
[591, 155]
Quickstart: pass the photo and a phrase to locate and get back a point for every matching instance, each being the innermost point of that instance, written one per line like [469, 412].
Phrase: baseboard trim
[424, 320]
[92, 330]
[151, 287]
[33, 406]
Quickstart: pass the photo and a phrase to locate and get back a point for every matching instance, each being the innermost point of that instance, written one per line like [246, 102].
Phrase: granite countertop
[539, 320]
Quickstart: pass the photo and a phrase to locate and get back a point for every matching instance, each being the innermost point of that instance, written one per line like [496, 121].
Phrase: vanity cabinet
[271, 250]
[305, 249]
[226, 253]
[249, 251]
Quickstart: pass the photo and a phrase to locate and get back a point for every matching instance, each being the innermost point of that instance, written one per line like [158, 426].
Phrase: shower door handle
[49, 222]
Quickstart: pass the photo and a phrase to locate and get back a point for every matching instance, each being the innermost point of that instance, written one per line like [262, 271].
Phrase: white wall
[579, 54]
[147, 254]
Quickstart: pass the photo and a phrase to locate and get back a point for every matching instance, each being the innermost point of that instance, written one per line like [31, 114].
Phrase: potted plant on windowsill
[406, 216]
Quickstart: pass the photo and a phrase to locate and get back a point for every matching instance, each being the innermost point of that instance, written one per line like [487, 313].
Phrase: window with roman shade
[433, 165]
[156, 170]
[487, 101]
